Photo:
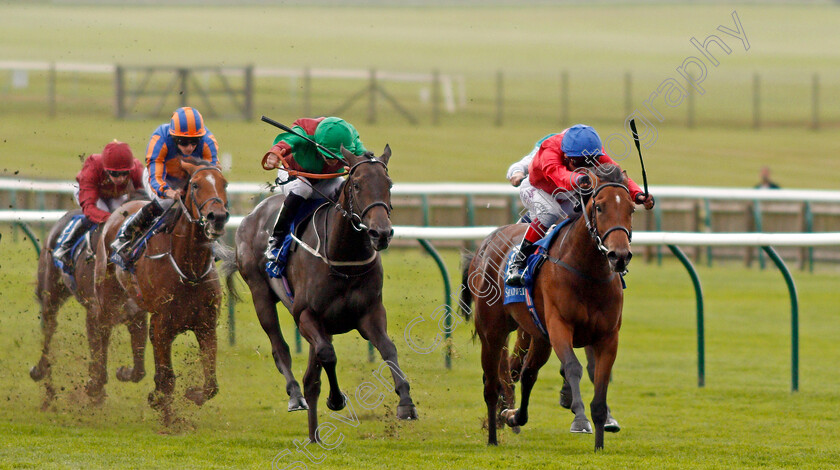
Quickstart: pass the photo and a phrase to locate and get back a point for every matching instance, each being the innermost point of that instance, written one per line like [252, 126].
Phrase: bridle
[591, 225]
[354, 216]
[200, 219]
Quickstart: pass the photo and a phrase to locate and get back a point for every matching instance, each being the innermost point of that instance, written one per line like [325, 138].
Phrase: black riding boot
[63, 251]
[139, 223]
[513, 275]
[281, 227]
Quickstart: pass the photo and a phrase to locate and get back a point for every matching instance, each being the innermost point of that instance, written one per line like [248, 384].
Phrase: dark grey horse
[334, 291]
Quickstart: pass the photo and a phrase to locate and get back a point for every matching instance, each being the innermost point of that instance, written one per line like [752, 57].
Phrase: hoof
[566, 399]
[297, 404]
[128, 374]
[408, 412]
[509, 417]
[159, 401]
[37, 373]
[337, 406]
[611, 425]
[95, 392]
[581, 426]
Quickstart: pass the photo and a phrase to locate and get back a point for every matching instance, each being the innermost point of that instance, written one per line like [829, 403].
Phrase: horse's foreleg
[561, 341]
[266, 308]
[373, 328]
[538, 354]
[98, 333]
[312, 390]
[605, 353]
[138, 328]
[206, 336]
[612, 424]
[321, 342]
[161, 398]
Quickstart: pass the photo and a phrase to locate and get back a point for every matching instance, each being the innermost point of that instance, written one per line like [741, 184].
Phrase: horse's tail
[227, 255]
[466, 299]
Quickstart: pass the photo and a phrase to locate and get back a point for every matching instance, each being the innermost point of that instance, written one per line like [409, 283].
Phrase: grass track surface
[745, 417]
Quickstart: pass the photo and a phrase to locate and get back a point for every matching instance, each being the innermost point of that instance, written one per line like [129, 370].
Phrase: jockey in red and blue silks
[554, 175]
[163, 179]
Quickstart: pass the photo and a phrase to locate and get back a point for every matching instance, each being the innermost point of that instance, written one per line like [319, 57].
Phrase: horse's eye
[598, 208]
[355, 186]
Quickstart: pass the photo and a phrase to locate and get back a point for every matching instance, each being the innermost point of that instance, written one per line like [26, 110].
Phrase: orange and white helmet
[186, 122]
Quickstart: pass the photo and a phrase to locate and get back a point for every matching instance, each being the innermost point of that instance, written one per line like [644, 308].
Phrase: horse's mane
[609, 173]
[196, 161]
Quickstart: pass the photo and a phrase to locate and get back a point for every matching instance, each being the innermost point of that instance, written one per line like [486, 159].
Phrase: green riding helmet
[332, 133]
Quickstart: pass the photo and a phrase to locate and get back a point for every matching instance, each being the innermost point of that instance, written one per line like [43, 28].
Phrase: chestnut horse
[54, 287]
[175, 280]
[337, 286]
[578, 296]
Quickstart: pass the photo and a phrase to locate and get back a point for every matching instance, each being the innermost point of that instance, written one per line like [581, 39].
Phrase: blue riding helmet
[581, 140]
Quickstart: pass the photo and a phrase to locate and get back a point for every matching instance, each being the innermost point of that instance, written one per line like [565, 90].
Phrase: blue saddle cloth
[78, 246]
[277, 269]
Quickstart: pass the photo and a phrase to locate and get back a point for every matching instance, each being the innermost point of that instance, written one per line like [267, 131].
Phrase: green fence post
[447, 293]
[698, 294]
[758, 228]
[794, 317]
[809, 227]
[657, 218]
[708, 222]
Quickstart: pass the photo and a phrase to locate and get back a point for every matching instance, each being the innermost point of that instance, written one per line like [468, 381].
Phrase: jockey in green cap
[293, 152]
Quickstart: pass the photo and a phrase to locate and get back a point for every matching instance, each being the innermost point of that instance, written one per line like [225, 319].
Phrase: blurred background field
[613, 56]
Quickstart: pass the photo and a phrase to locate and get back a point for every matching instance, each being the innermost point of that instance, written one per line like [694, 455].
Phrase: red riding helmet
[186, 122]
[117, 157]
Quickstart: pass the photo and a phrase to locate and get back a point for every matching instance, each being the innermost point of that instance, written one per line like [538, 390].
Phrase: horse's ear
[624, 178]
[386, 155]
[187, 166]
[351, 158]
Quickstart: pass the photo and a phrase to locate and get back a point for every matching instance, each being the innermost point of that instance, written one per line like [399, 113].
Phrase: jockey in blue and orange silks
[548, 189]
[163, 179]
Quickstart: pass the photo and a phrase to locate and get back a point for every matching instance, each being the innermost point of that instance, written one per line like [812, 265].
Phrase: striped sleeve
[156, 162]
[210, 148]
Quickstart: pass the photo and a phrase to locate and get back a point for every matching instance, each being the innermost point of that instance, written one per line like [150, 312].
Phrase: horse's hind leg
[138, 328]
[206, 336]
[605, 353]
[538, 354]
[517, 358]
[373, 328]
[51, 298]
[265, 305]
[493, 335]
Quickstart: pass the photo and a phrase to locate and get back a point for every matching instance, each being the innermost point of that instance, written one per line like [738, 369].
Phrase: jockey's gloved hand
[646, 199]
[583, 181]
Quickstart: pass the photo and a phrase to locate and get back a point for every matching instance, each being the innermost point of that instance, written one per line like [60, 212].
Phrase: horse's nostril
[629, 255]
[611, 255]
[391, 233]
[211, 216]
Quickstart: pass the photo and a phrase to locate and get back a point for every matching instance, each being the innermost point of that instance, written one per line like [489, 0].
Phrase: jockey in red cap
[549, 192]
[105, 181]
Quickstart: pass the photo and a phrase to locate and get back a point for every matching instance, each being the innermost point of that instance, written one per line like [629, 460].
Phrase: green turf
[745, 417]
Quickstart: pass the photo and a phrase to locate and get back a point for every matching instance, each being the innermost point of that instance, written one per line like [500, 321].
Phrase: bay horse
[52, 290]
[175, 280]
[337, 286]
[578, 295]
